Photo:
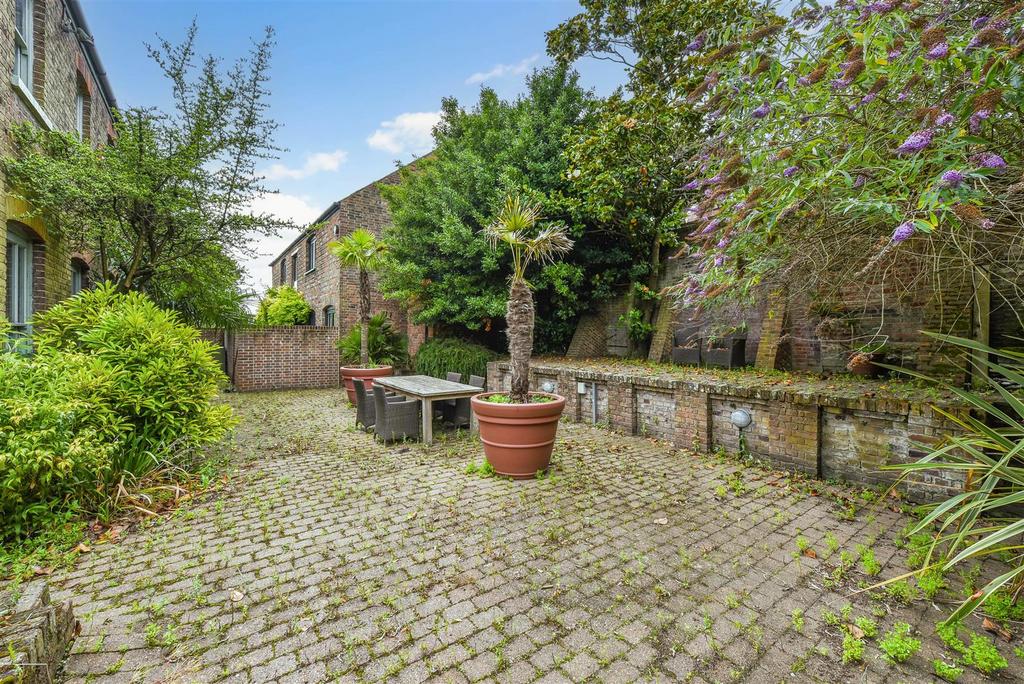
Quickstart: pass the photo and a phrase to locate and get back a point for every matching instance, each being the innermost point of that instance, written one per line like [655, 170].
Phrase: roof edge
[78, 15]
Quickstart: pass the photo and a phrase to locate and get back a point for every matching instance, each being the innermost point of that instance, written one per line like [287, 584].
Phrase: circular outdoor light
[741, 418]
[547, 386]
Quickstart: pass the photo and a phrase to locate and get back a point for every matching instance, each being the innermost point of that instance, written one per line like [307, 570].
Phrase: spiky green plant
[983, 520]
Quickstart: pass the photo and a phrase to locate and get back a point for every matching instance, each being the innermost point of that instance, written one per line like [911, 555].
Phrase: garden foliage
[387, 347]
[283, 305]
[984, 520]
[441, 262]
[439, 356]
[116, 388]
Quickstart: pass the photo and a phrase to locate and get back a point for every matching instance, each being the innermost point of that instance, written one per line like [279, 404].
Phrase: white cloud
[500, 70]
[408, 132]
[317, 162]
[294, 208]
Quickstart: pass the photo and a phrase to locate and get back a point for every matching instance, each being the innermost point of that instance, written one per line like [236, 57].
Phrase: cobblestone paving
[333, 558]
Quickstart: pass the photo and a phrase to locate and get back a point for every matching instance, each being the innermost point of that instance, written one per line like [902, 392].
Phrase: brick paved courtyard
[332, 558]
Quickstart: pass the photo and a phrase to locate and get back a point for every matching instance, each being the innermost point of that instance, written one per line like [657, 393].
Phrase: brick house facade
[331, 290]
[56, 81]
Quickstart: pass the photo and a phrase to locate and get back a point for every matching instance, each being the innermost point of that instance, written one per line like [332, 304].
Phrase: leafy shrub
[442, 355]
[387, 346]
[58, 430]
[283, 305]
[117, 388]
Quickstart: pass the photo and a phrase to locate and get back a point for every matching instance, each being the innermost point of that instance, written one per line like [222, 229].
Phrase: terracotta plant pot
[518, 438]
[350, 372]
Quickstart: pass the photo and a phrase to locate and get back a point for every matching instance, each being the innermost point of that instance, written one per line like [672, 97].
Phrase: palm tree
[361, 249]
[514, 226]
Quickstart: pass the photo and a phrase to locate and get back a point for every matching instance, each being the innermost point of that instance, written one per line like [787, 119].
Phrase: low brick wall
[817, 433]
[279, 358]
[34, 635]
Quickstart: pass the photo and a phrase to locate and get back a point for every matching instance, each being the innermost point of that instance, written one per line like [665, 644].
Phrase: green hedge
[441, 355]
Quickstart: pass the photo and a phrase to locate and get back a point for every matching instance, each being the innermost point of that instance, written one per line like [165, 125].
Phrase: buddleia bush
[116, 388]
[283, 305]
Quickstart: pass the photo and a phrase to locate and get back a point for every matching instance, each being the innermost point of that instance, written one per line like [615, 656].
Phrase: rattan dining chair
[395, 419]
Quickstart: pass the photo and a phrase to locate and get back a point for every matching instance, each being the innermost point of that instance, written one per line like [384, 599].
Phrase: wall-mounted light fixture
[741, 418]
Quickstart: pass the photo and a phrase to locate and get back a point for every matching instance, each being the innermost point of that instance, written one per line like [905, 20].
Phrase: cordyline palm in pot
[361, 250]
[518, 427]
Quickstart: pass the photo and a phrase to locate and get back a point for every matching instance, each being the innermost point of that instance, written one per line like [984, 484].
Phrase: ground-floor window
[79, 276]
[19, 278]
[329, 316]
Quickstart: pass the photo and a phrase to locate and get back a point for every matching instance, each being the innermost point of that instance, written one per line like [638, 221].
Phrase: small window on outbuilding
[310, 252]
[284, 271]
[295, 270]
[311, 319]
[329, 319]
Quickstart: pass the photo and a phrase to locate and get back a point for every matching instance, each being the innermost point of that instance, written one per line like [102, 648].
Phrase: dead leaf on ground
[995, 628]
[810, 553]
[856, 631]
[82, 548]
[237, 596]
[661, 521]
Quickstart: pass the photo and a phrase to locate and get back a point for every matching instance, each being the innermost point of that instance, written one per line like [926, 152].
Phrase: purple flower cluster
[938, 51]
[903, 232]
[791, 171]
[988, 160]
[723, 243]
[915, 142]
[876, 8]
[979, 23]
[761, 111]
[719, 260]
[974, 123]
[692, 185]
[694, 45]
[860, 180]
[944, 119]
[711, 227]
[952, 178]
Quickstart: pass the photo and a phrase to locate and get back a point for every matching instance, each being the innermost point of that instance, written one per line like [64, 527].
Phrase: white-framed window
[80, 115]
[329, 318]
[78, 277]
[19, 279]
[23, 42]
[310, 253]
[295, 270]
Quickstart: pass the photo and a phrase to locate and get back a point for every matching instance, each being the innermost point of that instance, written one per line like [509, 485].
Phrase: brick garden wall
[280, 358]
[820, 435]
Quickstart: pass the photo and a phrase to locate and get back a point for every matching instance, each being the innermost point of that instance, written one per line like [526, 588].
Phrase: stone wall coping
[875, 403]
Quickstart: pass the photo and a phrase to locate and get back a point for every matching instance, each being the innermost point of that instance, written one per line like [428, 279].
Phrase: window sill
[26, 94]
[309, 271]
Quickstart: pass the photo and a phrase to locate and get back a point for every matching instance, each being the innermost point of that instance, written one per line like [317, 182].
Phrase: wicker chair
[395, 419]
[463, 409]
[446, 408]
[366, 411]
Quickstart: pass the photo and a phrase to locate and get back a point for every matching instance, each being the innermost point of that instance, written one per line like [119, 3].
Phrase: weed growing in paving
[898, 645]
[853, 649]
[944, 671]
[983, 656]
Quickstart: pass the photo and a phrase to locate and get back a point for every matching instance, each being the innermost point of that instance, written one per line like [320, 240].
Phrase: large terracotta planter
[350, 372]
[518, 438]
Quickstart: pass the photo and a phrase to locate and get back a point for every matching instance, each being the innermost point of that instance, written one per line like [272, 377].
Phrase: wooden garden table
[427, 389]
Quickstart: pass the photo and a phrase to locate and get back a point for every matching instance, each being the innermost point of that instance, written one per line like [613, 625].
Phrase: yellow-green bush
[117, 387]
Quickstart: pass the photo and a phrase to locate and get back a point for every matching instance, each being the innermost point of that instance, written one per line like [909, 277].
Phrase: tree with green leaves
[283, 305]
[171, 195]
[515, 227]
[630, 164]
[441, 262]
[362, 250]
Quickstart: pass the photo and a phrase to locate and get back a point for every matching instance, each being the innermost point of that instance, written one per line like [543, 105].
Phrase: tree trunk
[364, 318]
[519, 315]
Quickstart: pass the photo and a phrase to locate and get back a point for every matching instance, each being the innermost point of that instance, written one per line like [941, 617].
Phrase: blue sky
[356, 85]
